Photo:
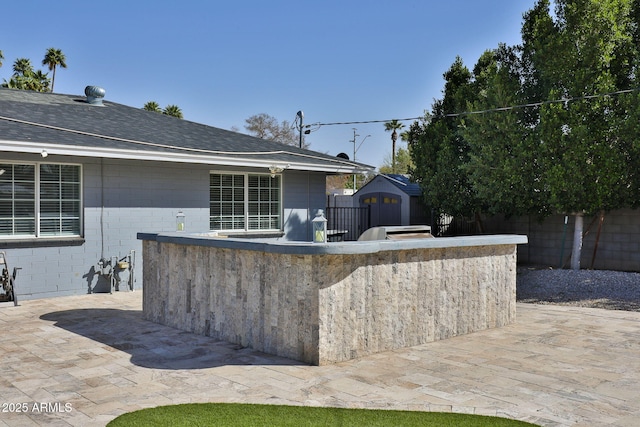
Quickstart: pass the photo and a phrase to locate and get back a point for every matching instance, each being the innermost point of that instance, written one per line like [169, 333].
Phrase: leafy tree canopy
[404, 163]
[550, 126]
[573, 149]
[439, 150]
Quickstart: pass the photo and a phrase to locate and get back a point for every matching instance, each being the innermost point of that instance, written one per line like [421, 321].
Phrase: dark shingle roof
[55, 120]
[404, 183]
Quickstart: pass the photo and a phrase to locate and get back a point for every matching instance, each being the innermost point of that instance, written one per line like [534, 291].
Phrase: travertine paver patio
[84, 360]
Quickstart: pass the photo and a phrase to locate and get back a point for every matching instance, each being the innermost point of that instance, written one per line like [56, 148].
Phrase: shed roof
[69, 125]
[403, 183]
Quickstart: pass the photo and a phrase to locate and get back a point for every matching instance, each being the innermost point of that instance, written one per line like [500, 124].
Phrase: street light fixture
[355, 150]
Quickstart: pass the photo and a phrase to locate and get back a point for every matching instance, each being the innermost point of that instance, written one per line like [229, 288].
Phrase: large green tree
[554, 127]
[54, 58]
[502, 166]
[440, 151]
[582, 145]
[403, 163]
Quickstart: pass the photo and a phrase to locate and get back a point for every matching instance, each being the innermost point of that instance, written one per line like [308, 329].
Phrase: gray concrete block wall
[328, 308]
[618, 247]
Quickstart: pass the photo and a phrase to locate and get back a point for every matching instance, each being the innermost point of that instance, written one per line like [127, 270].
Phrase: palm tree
[54, 58]
[22, 67]
[41, 81]
[20, 82]
[152, 106]
[26, 78]
[172, 110]
[394, 125]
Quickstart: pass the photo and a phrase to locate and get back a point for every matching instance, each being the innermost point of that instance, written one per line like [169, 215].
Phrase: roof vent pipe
[94, 94]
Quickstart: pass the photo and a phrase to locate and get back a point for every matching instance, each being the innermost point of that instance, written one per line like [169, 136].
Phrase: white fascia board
[179, 157]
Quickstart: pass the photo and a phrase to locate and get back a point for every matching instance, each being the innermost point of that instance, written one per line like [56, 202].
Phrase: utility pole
[301, 115]
[355, 150]
[354, 156]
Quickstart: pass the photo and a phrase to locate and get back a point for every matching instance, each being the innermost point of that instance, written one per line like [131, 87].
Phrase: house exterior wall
[122, 198]
[618, 245]
[304, 195]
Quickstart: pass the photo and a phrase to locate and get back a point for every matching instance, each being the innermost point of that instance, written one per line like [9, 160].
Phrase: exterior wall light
[319, 227]
[180, 221]
[275, 170]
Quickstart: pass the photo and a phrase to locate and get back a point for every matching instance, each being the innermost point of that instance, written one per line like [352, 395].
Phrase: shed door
[385, 208]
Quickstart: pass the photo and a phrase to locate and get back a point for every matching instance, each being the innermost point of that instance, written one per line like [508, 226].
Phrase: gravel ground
[612, 290]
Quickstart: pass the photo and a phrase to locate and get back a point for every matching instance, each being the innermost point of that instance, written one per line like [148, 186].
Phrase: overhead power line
[490, 110]
[539, 104]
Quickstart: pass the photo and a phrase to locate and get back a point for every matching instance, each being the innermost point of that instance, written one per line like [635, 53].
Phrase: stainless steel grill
[397, 232]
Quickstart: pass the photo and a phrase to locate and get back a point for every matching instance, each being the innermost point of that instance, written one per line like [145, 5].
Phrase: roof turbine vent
[94, 94]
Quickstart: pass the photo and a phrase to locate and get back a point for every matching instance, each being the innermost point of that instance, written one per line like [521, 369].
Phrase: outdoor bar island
[326, 303]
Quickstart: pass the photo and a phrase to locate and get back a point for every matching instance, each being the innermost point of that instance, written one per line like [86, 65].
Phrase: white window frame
[247, 218]
[38, 214]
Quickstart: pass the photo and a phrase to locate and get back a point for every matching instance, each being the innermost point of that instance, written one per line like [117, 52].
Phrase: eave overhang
[286, 160]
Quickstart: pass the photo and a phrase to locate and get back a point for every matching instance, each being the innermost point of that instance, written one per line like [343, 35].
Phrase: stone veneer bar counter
[326, 303]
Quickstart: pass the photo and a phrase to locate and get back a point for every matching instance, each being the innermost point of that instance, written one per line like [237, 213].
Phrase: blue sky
[224, 61]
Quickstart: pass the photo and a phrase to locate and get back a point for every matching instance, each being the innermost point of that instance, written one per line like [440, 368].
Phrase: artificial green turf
[236, 414]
